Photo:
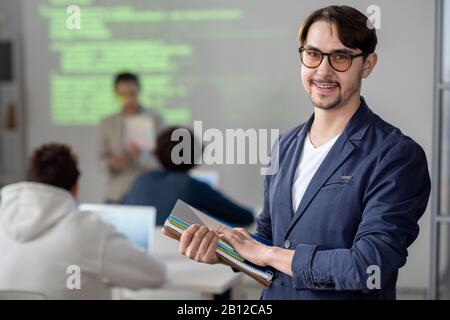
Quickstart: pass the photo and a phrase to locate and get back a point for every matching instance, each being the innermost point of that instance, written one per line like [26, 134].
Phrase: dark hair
[126, 77]
[54, 164]
[352, 27]
[165, 145]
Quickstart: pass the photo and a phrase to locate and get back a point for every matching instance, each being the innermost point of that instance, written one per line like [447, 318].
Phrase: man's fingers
[244, 232]
[186, 237]
[196, 239]
[236, 233]
[203, 247]
[211, 251]
[231, 236]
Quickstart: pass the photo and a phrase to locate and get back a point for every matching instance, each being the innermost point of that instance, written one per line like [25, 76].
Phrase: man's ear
[74, 190]
[369, 64]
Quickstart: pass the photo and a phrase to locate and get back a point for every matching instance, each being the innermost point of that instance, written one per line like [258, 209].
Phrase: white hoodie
[42, 234]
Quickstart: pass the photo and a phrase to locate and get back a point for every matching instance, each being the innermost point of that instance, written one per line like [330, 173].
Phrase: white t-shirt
[310, 160]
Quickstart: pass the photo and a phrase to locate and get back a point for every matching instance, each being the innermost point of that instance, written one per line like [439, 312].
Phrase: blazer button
[287, 244]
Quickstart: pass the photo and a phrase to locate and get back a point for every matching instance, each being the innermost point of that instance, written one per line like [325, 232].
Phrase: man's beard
[326, 106]
[337, 101]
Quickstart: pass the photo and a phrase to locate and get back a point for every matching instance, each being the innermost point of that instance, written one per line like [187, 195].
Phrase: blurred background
[231, 64]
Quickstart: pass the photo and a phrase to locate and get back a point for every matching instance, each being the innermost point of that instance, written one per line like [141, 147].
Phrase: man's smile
[324, 87]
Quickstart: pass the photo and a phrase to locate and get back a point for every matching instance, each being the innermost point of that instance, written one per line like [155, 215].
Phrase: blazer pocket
[337, 184]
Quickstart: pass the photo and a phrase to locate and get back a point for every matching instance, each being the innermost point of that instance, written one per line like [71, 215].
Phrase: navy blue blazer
[162, 188]
[360, 209]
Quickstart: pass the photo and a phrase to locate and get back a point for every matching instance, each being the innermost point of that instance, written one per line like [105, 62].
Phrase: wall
[12, 140]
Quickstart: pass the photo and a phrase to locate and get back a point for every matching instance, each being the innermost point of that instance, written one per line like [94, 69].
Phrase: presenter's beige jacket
[112, 141]
[44, 239]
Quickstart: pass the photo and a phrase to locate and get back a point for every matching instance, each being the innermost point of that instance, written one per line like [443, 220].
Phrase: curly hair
[54, 164]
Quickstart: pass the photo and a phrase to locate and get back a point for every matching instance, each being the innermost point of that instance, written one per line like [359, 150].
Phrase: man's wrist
[268, 253]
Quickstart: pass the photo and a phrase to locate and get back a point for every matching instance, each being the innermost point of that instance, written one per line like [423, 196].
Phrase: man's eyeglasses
[338, 60]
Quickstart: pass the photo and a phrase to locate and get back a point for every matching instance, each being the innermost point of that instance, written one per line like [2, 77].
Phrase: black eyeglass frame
[352, 56]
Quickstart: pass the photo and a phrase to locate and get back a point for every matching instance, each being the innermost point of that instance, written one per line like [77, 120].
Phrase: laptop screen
[137, 223]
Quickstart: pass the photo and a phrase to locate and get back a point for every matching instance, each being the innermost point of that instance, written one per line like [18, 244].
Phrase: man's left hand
[245, 245]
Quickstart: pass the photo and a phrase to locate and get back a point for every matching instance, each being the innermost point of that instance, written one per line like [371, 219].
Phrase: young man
[345, 204]
[46, 238]
[122, 158]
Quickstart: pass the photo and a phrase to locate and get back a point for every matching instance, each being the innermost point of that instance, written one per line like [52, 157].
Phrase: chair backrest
[21, 295]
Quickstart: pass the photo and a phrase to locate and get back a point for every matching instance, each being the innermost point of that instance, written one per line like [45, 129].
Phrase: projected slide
[188, 54]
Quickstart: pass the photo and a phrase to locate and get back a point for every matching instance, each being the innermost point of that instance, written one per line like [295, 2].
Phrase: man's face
[326, 87]
[128, 94]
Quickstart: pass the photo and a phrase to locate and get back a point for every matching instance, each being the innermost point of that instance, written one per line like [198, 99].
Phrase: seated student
[162, 188]
[50, 247]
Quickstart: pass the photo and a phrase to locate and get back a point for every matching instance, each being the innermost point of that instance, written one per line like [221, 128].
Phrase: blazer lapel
[336, 156]
[287, 173]
[341, 150]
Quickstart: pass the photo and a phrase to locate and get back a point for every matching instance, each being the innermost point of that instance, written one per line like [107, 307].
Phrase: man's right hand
[199, 243]
[117, 162]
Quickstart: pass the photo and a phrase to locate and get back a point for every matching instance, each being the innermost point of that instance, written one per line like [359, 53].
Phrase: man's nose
[325, 68]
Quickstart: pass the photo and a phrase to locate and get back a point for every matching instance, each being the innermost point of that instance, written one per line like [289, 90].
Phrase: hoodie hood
[28, 209]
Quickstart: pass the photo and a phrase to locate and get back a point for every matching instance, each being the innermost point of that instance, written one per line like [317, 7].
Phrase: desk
[190, 276]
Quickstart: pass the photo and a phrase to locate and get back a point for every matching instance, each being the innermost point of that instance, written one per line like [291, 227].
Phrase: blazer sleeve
[394, 200]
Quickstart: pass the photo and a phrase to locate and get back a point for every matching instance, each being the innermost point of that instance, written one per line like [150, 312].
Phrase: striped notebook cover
[183, 215]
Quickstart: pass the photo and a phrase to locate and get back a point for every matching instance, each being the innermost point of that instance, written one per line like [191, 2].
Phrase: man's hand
[134, 151]
[245, 245]
[199, 243]
[117, 162]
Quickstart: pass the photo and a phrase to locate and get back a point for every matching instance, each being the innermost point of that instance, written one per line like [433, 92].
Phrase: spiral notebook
[184, 215]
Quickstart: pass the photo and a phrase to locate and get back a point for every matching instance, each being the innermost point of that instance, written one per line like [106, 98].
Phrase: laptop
[137, 223]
